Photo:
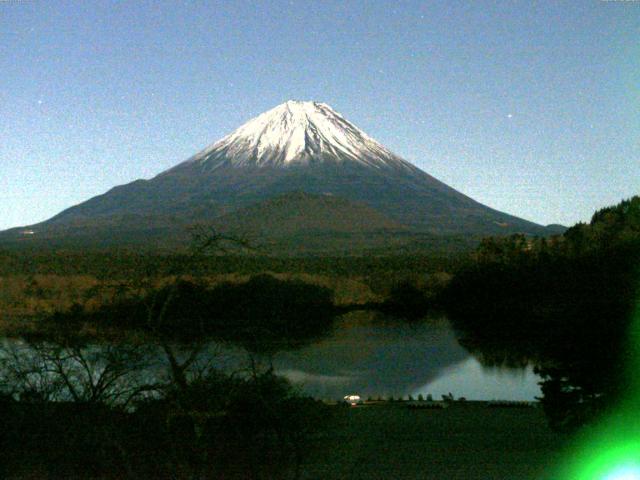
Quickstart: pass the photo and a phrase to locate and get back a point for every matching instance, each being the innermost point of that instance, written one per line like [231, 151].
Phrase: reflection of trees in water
[373, 357]
[365, 353]
[566, 303]
[496, 355]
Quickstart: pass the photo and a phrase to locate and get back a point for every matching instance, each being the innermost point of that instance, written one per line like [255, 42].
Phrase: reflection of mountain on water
[474, 381]
[372, 358]
[363, 355]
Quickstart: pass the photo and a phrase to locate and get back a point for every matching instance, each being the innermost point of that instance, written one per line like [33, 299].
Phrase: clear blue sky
[529, 107]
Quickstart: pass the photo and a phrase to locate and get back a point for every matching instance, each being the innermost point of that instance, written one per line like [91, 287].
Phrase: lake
[368, 356]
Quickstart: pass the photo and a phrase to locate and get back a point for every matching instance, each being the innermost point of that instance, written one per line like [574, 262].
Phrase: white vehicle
[353, 400]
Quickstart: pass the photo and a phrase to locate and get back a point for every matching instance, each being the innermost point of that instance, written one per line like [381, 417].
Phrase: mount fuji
[299, 173]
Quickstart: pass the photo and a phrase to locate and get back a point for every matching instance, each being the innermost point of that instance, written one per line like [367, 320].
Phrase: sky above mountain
[528, 107]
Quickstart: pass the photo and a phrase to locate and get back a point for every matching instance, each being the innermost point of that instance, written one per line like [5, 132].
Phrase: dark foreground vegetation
[566, 304]
[261, 314]
[130, 387]
[256, 427]
[149, 401]
[215, 426]
[124, 384]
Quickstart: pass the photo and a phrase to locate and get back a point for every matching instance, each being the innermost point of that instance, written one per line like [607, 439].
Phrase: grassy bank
[465, 441]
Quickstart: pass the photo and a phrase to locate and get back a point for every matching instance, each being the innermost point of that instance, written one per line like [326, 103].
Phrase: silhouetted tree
[564, 304]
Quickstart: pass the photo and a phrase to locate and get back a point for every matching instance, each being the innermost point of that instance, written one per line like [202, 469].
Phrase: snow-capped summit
[299, 173]
[294, 133]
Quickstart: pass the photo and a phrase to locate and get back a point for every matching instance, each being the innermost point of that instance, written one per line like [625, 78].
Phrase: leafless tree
[111, 374]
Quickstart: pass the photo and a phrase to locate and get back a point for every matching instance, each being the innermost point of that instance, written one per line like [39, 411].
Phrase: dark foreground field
[466, 442]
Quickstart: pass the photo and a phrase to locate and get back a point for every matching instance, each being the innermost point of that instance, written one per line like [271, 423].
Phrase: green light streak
[624, 473]
[611, 449]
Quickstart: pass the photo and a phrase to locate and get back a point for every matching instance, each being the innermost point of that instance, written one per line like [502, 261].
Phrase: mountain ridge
[294, 147]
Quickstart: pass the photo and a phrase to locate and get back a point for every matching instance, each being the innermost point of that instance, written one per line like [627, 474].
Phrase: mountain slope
[295, 147]
[297, 213]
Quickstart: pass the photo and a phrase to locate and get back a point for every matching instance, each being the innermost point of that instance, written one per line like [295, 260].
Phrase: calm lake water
[369, 357]
[373, 357]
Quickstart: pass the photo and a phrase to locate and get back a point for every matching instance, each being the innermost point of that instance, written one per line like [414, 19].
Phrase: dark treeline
[131, 264]
[79, 402]
[261, 314]
[564, 303]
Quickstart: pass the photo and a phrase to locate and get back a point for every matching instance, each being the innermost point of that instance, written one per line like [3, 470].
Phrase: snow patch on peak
[298, 132]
